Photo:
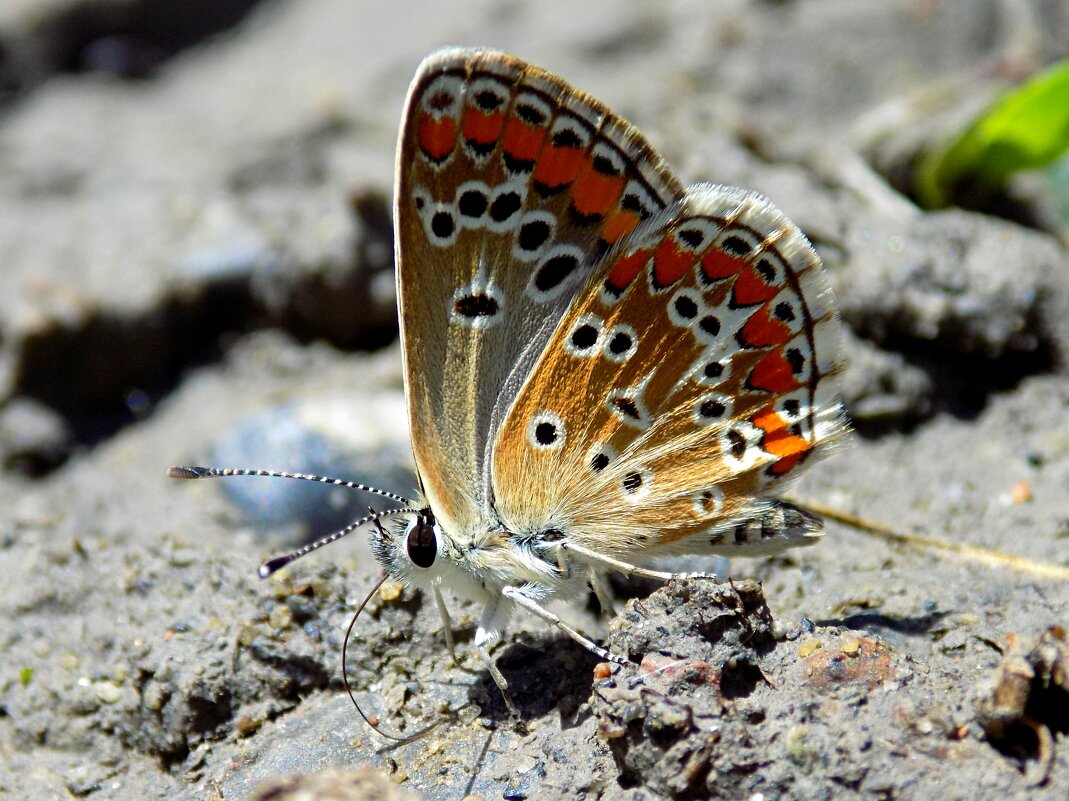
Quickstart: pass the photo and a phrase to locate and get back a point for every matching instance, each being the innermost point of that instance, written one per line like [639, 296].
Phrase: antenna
[272, 565]
[400, 740]
[183, 471]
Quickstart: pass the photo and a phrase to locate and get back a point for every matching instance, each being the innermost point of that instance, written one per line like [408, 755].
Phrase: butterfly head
[412, 551]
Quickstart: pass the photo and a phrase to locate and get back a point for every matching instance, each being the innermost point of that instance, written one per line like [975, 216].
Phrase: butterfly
[601, 365]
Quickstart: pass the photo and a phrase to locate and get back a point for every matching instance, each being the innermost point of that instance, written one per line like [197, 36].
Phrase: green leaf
[25, 676]
[1026, 128]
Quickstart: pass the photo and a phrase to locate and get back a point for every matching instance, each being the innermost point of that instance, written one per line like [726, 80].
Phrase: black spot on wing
[476, 305]
[472, 203]
[686, 308]
[734, 245]
[555, 270]
[533, 235]
[504, 206]
[620, 343]
[584, 337]
[442, 224]
[626, 407]
[546, 433]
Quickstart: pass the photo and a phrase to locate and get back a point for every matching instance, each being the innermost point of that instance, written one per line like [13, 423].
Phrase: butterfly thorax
[478, 563]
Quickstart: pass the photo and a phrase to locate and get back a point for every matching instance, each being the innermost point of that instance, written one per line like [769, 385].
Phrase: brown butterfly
[602, 366]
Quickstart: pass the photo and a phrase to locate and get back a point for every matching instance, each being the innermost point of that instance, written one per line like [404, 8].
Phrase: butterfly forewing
[511, 188]
[694, 370]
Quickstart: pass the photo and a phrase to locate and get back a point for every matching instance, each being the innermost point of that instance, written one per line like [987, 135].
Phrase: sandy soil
[197, 267]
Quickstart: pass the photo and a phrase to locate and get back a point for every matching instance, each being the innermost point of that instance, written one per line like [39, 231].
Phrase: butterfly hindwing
[694, 370]
[511, 187]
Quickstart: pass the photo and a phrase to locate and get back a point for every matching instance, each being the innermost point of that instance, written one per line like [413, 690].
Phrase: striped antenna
[272, 565]
[218, 472]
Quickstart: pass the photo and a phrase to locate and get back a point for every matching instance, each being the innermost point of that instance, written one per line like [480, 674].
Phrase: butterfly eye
[420, 542]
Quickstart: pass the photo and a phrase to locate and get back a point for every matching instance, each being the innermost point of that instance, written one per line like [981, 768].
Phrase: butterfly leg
[628, 569]
[494, 617]
[499, 680]
[515, 594]
[601, 590]
[447, 625]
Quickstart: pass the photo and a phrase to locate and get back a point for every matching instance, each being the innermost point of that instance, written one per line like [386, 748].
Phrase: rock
[700, 645]
[336, 784]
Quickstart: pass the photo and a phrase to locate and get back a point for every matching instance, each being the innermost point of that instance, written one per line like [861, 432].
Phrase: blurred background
[196, 265]
[177, 173]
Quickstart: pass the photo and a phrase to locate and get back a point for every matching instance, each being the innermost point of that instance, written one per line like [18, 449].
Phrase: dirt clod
[699, 646]
[1026, 703]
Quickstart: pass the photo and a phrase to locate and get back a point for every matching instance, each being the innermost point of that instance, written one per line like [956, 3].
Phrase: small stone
[1021, 493]
[608, 730]
[107, 692]
[808, 647]
[246, 725]
[154, 697]
[850, 645]
[183, 558]
[796, 744]
[246, 634]
[281, 618]
[469, 713]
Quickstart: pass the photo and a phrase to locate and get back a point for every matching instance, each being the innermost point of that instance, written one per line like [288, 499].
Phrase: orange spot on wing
[625, 269]
[436, 136]
[558, 166]
[790, 448]
[769, 420]
[480, 127]
[717, 265]
[595, 192]
[779, 441]
[750, 287]
[522, 142]
[762, 330]
[617, 224]
[787, 462]
[670, 262]
[773, 373]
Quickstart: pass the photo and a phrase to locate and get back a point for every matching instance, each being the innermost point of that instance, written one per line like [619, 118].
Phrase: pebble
[850, 645]
[107, 692]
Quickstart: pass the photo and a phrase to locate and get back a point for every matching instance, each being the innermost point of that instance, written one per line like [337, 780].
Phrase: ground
[197, 267]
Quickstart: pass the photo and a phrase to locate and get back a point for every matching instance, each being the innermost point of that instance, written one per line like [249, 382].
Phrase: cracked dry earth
[197, 267]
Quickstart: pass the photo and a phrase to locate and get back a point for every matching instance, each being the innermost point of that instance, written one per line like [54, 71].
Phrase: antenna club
[273, 565]
[182, 471]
